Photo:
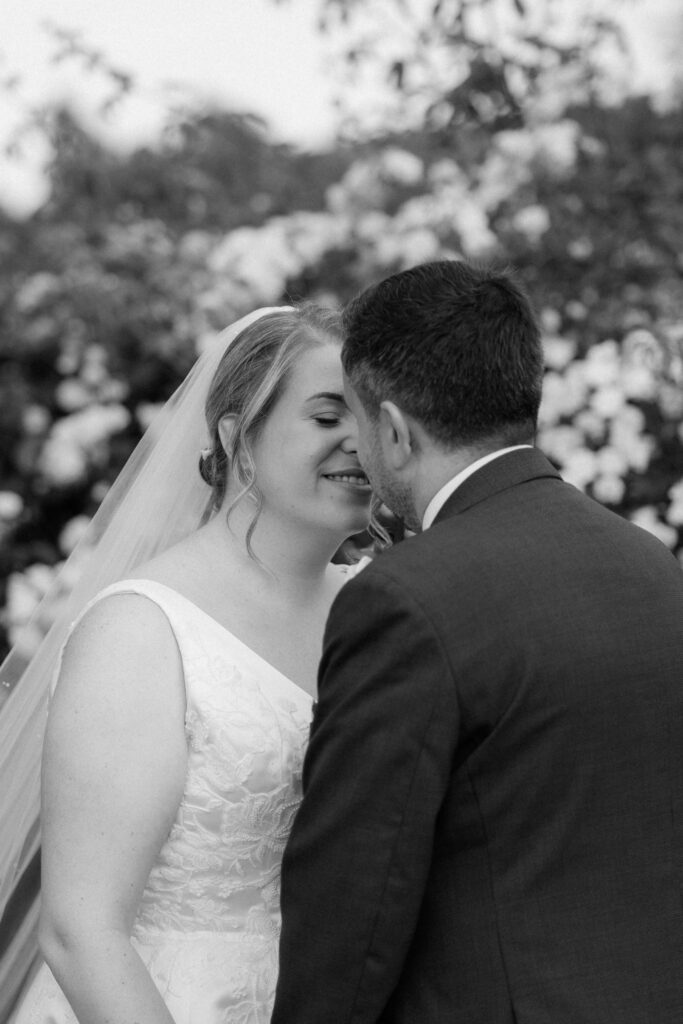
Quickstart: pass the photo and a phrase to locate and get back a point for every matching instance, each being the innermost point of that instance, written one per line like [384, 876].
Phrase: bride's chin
[357, 525]
[345, 527]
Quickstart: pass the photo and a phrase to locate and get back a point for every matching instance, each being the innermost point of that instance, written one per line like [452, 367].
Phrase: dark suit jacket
[493, 817]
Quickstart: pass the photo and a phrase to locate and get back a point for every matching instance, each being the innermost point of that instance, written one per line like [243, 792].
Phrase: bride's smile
[354, 478]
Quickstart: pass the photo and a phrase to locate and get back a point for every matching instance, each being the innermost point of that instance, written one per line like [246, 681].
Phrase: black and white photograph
[341, 512]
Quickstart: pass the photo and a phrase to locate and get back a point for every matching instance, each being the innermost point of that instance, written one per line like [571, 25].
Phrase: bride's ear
[226, 429]
[396, 435]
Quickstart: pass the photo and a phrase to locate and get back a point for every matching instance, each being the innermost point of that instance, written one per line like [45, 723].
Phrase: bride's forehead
[317, 369]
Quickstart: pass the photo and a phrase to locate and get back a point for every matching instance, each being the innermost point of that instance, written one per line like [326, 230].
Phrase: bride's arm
[113, 775]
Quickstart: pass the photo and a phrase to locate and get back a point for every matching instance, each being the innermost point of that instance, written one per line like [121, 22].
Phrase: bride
[173, 751]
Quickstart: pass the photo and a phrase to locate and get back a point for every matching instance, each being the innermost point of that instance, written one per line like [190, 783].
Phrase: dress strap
[161, 596]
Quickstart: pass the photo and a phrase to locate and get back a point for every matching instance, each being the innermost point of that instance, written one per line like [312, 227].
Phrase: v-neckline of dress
[228, 632]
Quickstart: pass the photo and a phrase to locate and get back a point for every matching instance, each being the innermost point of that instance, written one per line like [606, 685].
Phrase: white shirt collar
[442, 495]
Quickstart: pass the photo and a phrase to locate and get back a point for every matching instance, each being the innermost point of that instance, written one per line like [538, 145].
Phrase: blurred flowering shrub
[612, 422]
[107, 296]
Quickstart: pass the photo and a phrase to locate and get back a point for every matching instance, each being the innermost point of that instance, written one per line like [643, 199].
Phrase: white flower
[558, 352]
[112, 391]
[22, 598]
[361, 187]
[11, 505]
[195, 246]
[25, 591]
[608, 489]
[94, 424]
[592, 146]
[550, 320]
[372, 225]
[406, 249]
[501, 175]
[71, 394]
[516, 144]
[259, 258]
[94, 369]
[401, 166]
[675, 511]
[670, 401]
[336, 198]
[532, 221]
[77, 439]
[35, 419]
[387, 250]
[647, 518]
[446, 172]
[472, 225]
[24, 639]
[591, 425]
[563, 394]
[40, 577]
[642, 348]
[607, 401]
[449, 208]
[35, 290]
[556, 145]
[640, 453]
[145, 412]
[561, 441]
[576, 310]
[581, 248]
[62, 461]
[629, 418]
[99, 491]
[612, 462]
[639, 382]
[602, 365]
[72, 533]
[419, 246]
[674, 514]
[581, 468]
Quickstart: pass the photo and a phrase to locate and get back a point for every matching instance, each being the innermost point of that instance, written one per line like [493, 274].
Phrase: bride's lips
[355, 478]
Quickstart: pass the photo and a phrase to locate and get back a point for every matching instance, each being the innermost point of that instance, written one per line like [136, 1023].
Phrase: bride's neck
[294, 554]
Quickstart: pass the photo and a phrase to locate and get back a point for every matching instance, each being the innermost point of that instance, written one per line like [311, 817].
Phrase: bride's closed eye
[329, 420]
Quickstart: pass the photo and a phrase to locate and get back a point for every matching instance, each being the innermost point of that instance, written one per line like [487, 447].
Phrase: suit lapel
[500, 474]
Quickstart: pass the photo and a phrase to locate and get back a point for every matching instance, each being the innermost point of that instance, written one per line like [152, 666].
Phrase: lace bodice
[246, 727]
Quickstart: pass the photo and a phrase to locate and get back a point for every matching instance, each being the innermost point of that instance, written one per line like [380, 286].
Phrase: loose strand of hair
[380, 536]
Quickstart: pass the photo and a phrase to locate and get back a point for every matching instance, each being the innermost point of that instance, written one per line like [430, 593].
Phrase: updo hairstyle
[250, 378]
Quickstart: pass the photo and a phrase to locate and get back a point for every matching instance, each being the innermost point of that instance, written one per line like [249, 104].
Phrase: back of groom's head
[455, 346]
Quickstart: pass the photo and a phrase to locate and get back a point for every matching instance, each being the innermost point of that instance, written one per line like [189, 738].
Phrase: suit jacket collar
[507, 471]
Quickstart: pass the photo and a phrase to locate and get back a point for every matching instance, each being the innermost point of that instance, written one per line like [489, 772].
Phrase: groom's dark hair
[454, 345]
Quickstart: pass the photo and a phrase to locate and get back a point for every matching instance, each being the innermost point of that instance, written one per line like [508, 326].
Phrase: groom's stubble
[394, 493]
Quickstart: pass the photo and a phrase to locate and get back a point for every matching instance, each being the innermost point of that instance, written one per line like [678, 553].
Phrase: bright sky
[246, 54]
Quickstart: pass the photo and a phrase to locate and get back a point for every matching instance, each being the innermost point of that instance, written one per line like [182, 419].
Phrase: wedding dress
[208, 923]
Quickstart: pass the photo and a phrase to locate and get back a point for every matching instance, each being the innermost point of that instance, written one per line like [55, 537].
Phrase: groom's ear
[396, 436]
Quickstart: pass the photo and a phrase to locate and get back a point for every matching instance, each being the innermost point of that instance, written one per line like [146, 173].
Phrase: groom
[492, 825]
